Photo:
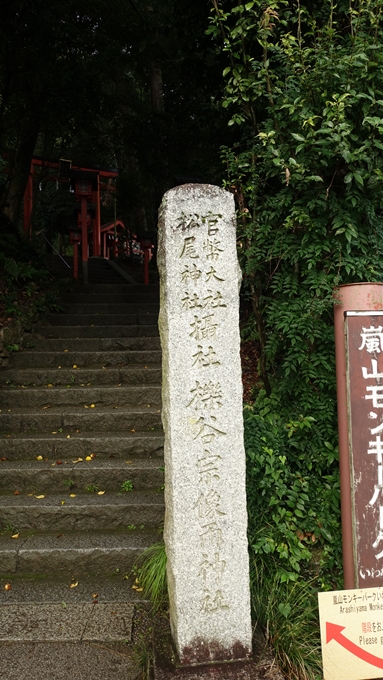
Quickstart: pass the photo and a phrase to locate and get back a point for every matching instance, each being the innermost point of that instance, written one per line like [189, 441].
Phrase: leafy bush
[287, 612]
[23, 279]
[304, 87]
[293, 496]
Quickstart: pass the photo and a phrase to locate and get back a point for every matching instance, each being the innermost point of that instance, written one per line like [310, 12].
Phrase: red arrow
[334, 632]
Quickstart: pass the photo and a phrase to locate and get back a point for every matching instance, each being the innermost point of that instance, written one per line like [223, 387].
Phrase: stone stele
[206, 518]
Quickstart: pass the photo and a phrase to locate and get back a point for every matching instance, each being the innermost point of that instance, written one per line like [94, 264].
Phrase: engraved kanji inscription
[211, 602]
[206, 396]
[189, 248]
[203, 359]
[212, 568]
[208, 467]
[187, 222]
[204, 328]
[195, 301]
[212, 248]
[211, 274]
[190, 273]
[206, 429]
[211, 536]
[208, 505]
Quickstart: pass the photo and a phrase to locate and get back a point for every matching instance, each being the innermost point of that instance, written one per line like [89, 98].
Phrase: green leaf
[358, 178]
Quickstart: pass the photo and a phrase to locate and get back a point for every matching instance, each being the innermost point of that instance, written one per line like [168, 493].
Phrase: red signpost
[359, 366]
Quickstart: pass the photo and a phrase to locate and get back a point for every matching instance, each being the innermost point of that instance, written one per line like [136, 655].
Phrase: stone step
[80, 396]
[53, 587]
[69, 420]
[94, 331]
[108, 445]
[110, 308]
[74, 553]
[108, 288]
[115, 297]
[102, 319]
[95, 344]
[33, 359]
[86, 512]
[33, 476]
[128, 375]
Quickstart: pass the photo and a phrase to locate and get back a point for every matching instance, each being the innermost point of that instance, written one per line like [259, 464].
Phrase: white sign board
[351, 623]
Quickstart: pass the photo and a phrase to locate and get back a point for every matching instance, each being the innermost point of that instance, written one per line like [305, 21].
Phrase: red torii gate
[88, 184]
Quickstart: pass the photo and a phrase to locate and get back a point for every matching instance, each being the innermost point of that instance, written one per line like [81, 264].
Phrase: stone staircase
[81, 446]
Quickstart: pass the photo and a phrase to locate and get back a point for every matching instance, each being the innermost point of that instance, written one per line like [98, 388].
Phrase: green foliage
[304, 87]
[293, 495]
[24, 293]
[287, 612]
[127, 485]
[93, 488]
[151, 575]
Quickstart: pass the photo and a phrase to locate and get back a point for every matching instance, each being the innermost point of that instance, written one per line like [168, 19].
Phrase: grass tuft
[287, 612]
[151, 573]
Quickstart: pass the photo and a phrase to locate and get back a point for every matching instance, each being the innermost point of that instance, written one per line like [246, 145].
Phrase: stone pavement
[97, 630]
[49, 630]
[66, 660]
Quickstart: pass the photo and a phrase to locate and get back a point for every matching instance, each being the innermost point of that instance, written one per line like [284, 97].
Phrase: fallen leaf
[39, 457]
[50, 385]
[3, 458]
[30, 494]
[58, 462]
[40, 496]
[77, 430]
[100, 493]
[59, 535]
[68, 436]
[92, 405]
[15, 536]
[62, 502]
[139, 590]
[137, 581]
[95, 602]
[72, 495]
[6, 436]
[92, 455]
[94, 595]
[133, 430]
[54, 432]
[74, 366]
[66, 350]
[129, 462]
[58, 366]
[88, 458]
[86, 406]
[46, 406]
[7, 586]
[74, 585]
[16, 493]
